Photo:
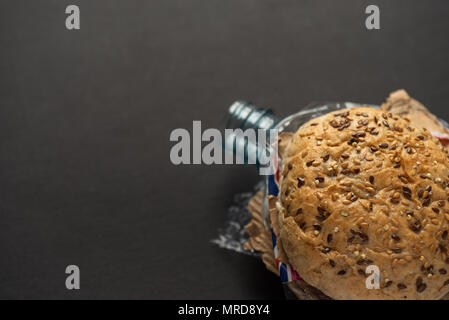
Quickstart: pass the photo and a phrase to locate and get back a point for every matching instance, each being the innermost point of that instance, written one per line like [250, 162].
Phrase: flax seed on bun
[362, 187]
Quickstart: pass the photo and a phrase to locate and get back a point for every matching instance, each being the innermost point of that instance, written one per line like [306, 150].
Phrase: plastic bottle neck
[244, 115]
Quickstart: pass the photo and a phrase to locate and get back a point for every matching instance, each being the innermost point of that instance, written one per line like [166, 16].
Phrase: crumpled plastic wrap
[232, 235]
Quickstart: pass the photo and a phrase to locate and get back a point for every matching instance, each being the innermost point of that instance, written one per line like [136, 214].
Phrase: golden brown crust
[363, 187]
[400, 103]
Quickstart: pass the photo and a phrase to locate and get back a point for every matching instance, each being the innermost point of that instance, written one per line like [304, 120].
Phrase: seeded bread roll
[362, 187]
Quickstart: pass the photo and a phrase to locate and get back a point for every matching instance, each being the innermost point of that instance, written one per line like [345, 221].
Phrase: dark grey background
[85, 118]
